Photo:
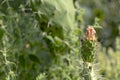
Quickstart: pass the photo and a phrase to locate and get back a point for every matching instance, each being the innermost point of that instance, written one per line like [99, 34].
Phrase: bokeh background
[40, 39]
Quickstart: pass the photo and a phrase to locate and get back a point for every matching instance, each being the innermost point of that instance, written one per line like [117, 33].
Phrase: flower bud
[90, 33]
[89, 45]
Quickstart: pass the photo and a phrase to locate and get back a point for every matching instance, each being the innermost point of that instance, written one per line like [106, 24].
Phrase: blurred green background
[40, 39]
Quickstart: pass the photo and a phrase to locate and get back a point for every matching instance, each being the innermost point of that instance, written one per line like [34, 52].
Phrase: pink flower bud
[90, 33]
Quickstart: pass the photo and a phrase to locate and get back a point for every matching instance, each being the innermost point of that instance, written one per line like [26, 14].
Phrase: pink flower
[90, 33]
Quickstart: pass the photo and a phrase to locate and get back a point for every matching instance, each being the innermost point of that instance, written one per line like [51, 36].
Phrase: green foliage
[58, 29]
[1, 34]
[88, 50]
[41, 76]
[54, 17]
[39, 40]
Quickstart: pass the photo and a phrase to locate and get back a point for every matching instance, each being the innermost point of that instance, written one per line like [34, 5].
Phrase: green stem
[86, 72]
